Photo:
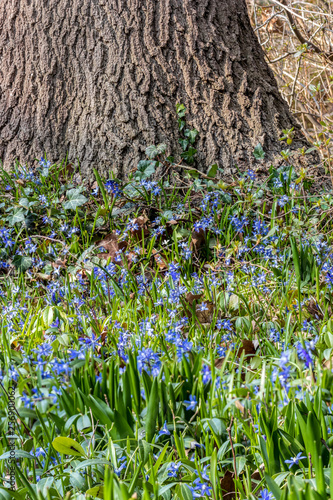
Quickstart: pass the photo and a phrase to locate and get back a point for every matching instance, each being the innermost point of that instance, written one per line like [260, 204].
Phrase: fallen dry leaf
[239, 406]
[257, 474]
[198, 239]
[328, 364]
[228, 486]
[162, 264]
[249, 348]
[219, 362]
[206, 315]
[314, 310]
[142, 223]
[112, 246]
[59, 263]
[43, 276]
[190, 297]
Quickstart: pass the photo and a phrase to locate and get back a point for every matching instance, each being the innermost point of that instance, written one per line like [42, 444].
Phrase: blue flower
[55, 393]
[122, 466]
[202, 307]
[206, 374]
[283, 200]
[112, 187]
[173, 469]
[43, 200]
[164, 430]
[250, 174]
[294, 460]
[192, 403]
[27, 401]
[203, 488]
[266, 495]
[238, 224]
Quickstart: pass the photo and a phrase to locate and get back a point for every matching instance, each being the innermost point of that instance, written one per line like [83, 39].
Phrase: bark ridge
[99, 80]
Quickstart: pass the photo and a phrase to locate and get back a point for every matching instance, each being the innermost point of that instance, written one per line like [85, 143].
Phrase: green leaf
[181, 124]
[271, 232]
[226, 198]
[22, 262]
[296, 259]
[102, 188]
[194, 173]
[120, 428]
[188, 156]
[6, 494]
[77, 481]
[153, 151]
[152, 412]
[75, 199]
[17, 216]
[212, 171]
[99, 408]
[96, 492]
[273, 487]
[183, 491]
[184, 143]
[18, 454]
[24, 202]
[191, 135]
[165, 488]
[68, 446]
[181, 110]
[213, 472]
[145, 169]
[258, 152]
[91, 462]
[310, 150]
[233, 302]
[168, 215]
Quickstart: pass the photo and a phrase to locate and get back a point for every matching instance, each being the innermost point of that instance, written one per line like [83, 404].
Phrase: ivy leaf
[17, 216]
[68, 446]
[75, 199]
[29, 220]
[143, 165]
[188, 156]
[145, 169]
[22, 262]
[193, 173]
[191, 135]
[226, 198]
[184, 143]
[24, 202]
[212, 171]
[153, 151]
[258, 152]
[181, 124]
[181, 110]
[167, 215]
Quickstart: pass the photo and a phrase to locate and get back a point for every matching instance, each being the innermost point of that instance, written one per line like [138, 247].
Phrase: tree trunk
[100, 79]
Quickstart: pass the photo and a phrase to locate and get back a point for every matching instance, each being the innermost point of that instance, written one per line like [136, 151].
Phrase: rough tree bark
[99, 80]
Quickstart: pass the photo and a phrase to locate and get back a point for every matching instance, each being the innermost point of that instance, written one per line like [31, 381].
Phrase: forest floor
[163, 341]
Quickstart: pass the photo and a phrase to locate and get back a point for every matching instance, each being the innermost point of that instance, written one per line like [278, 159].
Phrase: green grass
[190, 359]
